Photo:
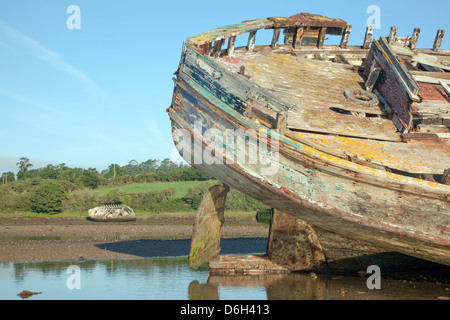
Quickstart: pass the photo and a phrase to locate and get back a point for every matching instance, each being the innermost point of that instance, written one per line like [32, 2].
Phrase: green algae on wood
[205, 244]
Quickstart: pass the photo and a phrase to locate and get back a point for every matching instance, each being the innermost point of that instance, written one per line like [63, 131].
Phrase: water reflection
[171, 279]
[302, 286]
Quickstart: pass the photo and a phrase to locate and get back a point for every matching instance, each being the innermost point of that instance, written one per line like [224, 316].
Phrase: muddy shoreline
[25, 239]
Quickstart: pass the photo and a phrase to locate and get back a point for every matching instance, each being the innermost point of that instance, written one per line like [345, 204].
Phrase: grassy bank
[177, 198]
[181, 187]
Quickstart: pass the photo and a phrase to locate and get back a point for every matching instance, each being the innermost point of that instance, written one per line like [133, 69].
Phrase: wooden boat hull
[397, 212]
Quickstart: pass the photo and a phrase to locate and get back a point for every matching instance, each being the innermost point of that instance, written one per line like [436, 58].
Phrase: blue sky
[98, 95]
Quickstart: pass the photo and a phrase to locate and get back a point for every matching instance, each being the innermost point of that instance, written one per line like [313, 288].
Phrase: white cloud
[34, 48]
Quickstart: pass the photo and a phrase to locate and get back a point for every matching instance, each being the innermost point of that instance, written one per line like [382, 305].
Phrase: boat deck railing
[297, 34]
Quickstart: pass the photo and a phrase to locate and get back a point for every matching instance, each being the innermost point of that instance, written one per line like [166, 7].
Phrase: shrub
[79, 200]
[47, 198]
[236, 200]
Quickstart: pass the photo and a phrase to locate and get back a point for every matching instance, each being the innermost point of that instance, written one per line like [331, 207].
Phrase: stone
[112, 213]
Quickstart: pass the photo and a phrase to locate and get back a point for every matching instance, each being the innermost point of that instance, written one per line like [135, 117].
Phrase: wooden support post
[205, 244]
[368, 37]
[217, 47]
[294, 244]
[321, 37]
[230, 47]
[207, 49]
[298, 37]
[281, 122]
[251, 40]
[392, 35]
[248, 110]
[345, 36]
[414, 38]
[438, 40]
[275, 38]
[372, 78]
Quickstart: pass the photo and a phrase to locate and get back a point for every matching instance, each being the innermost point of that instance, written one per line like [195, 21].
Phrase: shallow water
[170, 278]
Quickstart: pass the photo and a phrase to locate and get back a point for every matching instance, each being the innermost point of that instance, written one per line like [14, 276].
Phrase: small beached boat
[351, 139]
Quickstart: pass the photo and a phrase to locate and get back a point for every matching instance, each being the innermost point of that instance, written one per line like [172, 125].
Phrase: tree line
[151, 170]
[56, 188]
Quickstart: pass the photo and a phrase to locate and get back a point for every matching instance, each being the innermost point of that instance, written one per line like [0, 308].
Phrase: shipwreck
[357, 138]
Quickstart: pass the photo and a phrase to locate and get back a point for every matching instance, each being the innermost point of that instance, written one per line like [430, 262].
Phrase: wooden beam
[298, 37]
[368, 37]
[205, 243]
[392, 35]
[321, 37]
[438, 40]
[385, 53]
[281, 121]
[372, 78]
[230, 47]
[445, 86]
[345, 36]
[275, 38]
[207, 48]
[251, 40]
[217, 47]
[414, 38]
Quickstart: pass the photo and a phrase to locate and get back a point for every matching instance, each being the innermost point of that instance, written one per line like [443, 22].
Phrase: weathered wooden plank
[392, 35]
[321, 37]
[217, 48]
[426, 59]
[229, 31]
[438, 75]
[298, 37]
[433, 128]
[399, 69]
[327, 121]
[414, 156]
[368, 37]
[275, 37]
[231, 88]
[438, 40]
[205, 243]
[230, 47]
[446, 88]
[372, 78]
[251, 40]
[398, 88]
[433, 80]
[415, 38]
[345, 36]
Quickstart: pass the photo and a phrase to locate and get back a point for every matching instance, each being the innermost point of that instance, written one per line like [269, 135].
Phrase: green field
[180, 186]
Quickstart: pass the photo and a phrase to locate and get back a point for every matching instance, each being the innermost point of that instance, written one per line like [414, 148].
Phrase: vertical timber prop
[205, 244]
[294, 244]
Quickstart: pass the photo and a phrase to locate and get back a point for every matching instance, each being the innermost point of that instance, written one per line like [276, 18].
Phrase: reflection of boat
[362, 131]
[306, 286]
